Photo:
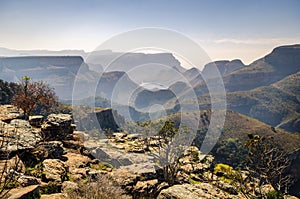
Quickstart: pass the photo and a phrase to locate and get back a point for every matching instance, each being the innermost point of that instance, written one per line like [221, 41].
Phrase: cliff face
[101, 119]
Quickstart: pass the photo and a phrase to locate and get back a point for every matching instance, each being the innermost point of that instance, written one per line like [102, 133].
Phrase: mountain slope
[281, 62]
[277, 105]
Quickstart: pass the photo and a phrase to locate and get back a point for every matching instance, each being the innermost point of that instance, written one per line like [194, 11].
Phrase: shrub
[101, 188]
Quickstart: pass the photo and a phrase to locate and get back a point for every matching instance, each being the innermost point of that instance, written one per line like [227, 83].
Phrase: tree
[34, 97]
[171, 145]
[269, 162]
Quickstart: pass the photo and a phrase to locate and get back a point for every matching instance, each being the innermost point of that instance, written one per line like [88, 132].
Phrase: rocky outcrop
[57, 127]
[103, 119]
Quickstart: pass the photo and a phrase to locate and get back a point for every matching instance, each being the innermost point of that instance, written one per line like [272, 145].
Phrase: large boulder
[57, 127]
[18, 135]
[191, 191]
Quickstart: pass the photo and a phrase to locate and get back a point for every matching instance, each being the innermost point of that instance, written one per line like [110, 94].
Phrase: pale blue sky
[225, 29]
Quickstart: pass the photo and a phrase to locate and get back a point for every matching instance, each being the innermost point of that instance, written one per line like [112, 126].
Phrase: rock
[190, 191]
[10, 112]
[49, 150]
[125, 179]
[76, 161]
[24, 192]
[28, 180]
[134, 136]
[72, 144]
[54, 196]
[146, 189]
[80, 136]
[100, 154]
[119, 136]
[193, 161]
[36, 120]
[105, 118]
[78, 165]
[57, 127]
[19, 135]
[14, 164]
[68, 187]
[54, 170]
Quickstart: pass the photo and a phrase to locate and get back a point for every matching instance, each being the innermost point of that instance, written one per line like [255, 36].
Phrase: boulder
[19, 135]
[54, 170]
[57, 127]
[191, 191]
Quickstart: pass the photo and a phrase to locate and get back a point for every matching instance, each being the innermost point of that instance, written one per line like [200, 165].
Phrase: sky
[231, 29]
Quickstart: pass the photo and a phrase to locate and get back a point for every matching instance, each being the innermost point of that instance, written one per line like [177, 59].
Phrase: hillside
[281, 62]
[238, 126]
[277, 105]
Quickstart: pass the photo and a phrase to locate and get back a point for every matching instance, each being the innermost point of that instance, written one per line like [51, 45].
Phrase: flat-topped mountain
[58, 71]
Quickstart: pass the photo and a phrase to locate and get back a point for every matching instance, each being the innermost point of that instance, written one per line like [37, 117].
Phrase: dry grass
[102, 187]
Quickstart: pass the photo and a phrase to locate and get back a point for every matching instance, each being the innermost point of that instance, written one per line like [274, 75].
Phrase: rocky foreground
[53, 160]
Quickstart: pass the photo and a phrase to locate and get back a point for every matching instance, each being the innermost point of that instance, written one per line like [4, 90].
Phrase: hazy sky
[225, 29]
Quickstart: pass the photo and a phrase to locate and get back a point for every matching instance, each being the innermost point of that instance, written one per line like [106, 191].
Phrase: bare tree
[269, 162]
[171, 145]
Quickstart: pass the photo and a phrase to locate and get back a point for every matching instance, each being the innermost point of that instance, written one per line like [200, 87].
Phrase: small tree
[172, 142]
[34, 97]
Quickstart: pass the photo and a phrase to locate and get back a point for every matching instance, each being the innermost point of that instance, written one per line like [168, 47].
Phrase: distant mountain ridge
[267, 89]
